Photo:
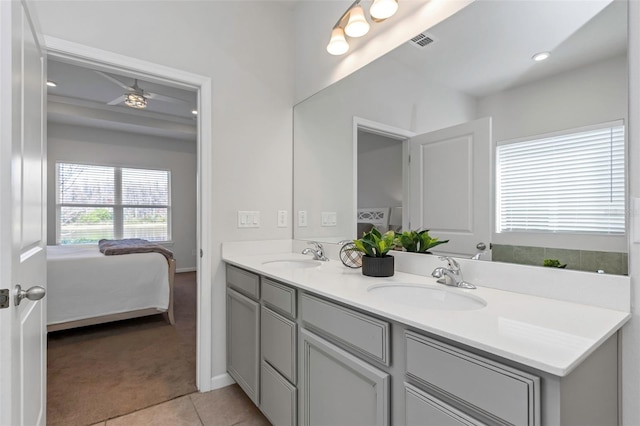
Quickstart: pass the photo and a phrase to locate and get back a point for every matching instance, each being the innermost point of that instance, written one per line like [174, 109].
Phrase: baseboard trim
[221, 381]
[179, 270]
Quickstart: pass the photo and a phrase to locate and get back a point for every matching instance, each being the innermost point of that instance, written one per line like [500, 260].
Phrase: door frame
[391, 132]
[82, 54]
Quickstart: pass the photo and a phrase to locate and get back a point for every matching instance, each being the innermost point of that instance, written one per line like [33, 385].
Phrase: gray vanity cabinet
[338, 388]
[422, 409]
[243, 342]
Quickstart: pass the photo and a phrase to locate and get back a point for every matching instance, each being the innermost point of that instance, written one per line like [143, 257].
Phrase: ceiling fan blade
[165, 98]
[113, 80]
[117, 100]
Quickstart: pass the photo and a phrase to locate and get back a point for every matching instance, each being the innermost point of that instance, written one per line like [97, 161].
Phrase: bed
[86, 287]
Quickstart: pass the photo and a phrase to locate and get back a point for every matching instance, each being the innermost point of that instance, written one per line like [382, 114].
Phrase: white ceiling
[82, 96]
[488, 46]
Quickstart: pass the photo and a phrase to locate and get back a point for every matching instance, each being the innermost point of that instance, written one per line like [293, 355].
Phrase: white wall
[246, 47]
[563, 101]
[379, 171]
[105, 147]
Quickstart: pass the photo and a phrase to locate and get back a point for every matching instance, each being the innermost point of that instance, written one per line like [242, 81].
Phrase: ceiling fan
[134, 96]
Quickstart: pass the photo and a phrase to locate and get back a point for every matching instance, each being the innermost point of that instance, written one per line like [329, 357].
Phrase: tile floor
[222, 407]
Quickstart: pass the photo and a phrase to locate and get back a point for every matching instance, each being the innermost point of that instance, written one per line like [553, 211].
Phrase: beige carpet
[104, 371]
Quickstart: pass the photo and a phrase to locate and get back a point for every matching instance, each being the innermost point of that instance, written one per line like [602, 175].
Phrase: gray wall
[379, 171]
[99, 146]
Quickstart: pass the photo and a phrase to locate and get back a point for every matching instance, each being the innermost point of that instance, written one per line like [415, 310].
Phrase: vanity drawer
[359, 332]
[278, 343]
[501, 393]
[279, 397]
[279, 297]
[243, 281]
[422, 408]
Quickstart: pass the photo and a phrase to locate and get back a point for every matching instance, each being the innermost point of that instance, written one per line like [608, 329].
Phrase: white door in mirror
[450, 181]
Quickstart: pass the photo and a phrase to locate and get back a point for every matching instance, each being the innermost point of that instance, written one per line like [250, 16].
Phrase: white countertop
[551, 335]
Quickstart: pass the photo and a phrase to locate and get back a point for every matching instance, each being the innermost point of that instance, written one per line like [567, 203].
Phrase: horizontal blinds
[83, 184]
[570, 183]
[95, 202]
[145, 187]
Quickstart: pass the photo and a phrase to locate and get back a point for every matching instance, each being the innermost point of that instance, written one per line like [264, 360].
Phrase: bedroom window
[95, 202]
[569, 182]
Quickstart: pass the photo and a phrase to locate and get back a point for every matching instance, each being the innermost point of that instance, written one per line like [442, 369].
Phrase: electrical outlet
[248, 219]
[282, 218]
[302, 218]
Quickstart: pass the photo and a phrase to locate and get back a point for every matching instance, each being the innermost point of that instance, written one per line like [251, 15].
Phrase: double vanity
[317, 343]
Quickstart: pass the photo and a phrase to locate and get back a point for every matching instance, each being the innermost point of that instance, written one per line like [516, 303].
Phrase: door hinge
[201, 252]
[4, 298]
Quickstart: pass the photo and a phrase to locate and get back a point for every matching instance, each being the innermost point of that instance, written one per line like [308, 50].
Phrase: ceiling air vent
[421, 40]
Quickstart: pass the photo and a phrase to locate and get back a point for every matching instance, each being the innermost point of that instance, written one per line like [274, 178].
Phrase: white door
[450, 186]
[22, 218]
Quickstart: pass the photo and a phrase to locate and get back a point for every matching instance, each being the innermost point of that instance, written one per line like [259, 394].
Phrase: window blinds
[95, 202]
[568, 183]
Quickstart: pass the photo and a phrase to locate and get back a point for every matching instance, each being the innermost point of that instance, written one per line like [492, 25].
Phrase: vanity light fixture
[194, 112]
[52, 83]
[540, 56]
[353, 23]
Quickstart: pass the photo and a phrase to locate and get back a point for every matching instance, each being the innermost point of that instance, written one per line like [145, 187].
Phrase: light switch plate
[329, 219]
[302, 218]
[282, 218]
[248, 219]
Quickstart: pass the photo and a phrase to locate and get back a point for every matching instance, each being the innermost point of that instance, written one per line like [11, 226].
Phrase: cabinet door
[339, 389]
[422, 409]
[243, 342]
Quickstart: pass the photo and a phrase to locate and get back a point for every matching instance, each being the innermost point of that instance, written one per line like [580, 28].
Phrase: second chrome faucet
[452, 275]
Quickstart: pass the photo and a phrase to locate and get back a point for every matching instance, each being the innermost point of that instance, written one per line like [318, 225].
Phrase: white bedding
[84, 283]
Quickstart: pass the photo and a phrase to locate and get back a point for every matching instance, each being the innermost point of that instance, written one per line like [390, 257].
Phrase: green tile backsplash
[581, 260]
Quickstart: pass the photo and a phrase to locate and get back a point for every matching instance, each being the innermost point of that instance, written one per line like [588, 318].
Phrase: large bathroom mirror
[354, 141]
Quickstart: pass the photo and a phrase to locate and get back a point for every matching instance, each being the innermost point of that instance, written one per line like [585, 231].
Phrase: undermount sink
[292, 263]
[426, 297]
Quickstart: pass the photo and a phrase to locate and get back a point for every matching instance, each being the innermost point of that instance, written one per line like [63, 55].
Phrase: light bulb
[383, 9]
[338, 44]
[357, 26]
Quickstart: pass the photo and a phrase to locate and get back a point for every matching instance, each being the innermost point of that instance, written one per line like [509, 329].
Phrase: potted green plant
[418, 241]
[553, 263]
[375, 246]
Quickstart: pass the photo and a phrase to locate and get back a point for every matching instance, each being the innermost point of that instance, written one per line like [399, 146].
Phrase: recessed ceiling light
[51, 83]
[194, 112]
[541, 56]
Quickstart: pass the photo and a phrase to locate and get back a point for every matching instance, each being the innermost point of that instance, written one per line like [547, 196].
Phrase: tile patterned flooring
[221, 407]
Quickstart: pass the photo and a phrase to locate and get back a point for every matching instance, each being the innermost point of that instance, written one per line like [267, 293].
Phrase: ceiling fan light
[338, 44]
[135, 100]
[357, 26]
[383, 9]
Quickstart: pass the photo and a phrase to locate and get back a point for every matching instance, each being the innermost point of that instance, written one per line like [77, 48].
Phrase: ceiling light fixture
[135, 98]
[52, 83]
[540, 56]
[353, 23]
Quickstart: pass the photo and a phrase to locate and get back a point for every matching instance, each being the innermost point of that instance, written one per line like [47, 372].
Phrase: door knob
[33, 293]
[481, 246]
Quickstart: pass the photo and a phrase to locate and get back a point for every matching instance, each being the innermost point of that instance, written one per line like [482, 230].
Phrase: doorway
[108, 63]
[381, 176]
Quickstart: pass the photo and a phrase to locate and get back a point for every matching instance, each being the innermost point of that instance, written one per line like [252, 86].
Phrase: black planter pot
[377, 266]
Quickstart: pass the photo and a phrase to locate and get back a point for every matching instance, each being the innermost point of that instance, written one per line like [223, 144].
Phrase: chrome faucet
[317, 251]
[452, 275]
